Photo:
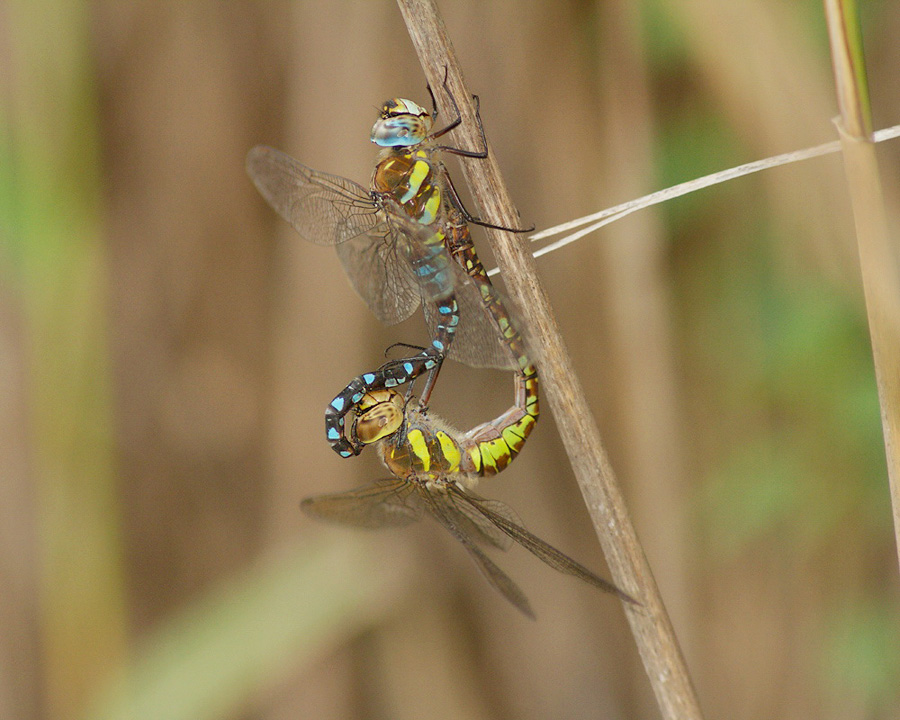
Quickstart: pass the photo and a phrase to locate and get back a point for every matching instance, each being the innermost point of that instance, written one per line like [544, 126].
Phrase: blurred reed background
[167, 348]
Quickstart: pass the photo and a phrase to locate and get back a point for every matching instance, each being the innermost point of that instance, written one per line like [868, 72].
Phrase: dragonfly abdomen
[492, 446]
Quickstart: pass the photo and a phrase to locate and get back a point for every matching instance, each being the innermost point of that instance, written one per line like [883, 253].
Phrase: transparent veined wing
[504, 518]
[382, 274]
[478, 342]
[327, 209]
[449, 517]
[324, 209]
[473, 523]
[377, 249]
[384, 503]
[379, 269]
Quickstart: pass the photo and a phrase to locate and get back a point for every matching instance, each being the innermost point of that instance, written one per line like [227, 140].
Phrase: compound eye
[377, 422]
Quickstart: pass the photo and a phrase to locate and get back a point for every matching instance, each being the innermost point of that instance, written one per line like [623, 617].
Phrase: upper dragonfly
[392, 241]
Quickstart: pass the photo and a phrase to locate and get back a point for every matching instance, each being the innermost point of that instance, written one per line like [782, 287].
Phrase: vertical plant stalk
[650, 623]
[878, 258]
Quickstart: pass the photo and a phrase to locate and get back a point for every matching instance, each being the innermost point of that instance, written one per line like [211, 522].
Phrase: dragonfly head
[401, 123]
[378, 414]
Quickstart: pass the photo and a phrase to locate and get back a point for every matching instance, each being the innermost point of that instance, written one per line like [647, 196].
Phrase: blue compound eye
[401, 123]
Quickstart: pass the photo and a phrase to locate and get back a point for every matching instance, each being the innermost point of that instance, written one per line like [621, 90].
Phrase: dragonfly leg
[418, 348]
[412, 383]
[434, 107]
[458, 204]
[399, 372]
[483, 153]
[429, 386]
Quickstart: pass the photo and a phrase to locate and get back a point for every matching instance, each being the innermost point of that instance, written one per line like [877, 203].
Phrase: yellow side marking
[450, 450]
[431, 207]
[416, 177]
[420, 448]
[514, 439]
[474, 454]
[489, 455]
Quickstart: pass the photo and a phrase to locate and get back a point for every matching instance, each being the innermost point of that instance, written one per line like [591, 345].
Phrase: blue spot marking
[345, 453]
[445, 309]
[454, 321]
[408, 367]
[338, 404]
[438, 345]
[429, 364]
[368, 378]
[390, 382]
[333, 434]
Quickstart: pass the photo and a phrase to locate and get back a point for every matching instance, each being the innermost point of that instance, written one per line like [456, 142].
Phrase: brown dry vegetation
[167, 348]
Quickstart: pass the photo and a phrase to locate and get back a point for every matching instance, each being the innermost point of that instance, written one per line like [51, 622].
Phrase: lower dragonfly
[434, 469]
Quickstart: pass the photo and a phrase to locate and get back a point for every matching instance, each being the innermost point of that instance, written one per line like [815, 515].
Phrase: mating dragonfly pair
[403, 243]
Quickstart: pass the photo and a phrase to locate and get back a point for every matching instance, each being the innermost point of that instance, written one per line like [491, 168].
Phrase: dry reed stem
[650, 623]
[878, 258]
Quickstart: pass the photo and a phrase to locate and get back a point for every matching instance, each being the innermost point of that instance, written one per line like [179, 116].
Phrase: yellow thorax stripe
[474, 454]
[450, 450]
[431, 207]
[420, 448]
[418, 174]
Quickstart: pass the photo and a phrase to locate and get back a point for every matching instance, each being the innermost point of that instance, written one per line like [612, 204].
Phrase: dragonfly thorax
[409, 179]
[426, 451]
[401, 123]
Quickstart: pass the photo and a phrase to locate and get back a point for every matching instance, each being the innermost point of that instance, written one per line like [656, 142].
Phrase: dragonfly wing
[449, 517]
[380, 272]
[506, 520]
[324, 209]
[381, 266]
[375, 248]
[384, 503]
[477, 342]
[477, 526]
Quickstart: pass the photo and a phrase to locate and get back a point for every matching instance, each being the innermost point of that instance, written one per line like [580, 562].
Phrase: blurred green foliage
[785, 362]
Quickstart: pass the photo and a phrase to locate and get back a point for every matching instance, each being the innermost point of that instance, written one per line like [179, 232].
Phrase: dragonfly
[434, 470]
[392, 242]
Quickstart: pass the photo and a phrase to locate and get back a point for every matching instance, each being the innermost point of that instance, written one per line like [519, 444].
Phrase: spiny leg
[480, 154]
